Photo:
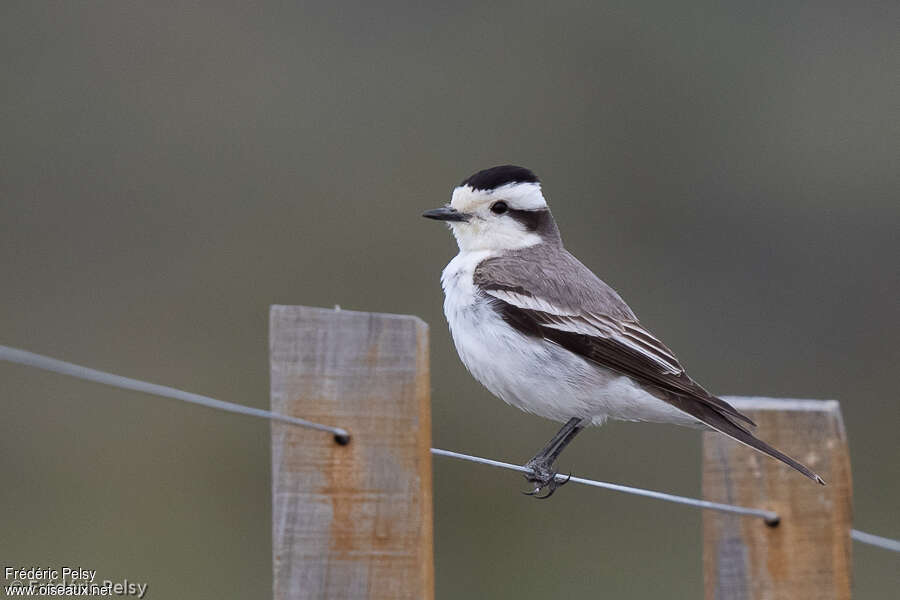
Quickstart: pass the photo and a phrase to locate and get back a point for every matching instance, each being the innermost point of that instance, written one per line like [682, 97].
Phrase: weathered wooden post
[354, 520]
[807, 555]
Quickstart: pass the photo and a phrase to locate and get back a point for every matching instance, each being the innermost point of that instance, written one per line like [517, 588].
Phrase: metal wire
[23, 357]
[875, 540]
[768, 515]
[46, 363]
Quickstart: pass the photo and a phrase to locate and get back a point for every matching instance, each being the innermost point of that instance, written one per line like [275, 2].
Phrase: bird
[542, 332]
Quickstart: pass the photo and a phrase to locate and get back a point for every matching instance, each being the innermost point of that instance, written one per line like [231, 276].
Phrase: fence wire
[46, 363]
[23, 357]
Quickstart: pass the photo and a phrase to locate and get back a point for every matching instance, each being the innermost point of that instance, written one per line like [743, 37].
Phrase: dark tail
[723, 424]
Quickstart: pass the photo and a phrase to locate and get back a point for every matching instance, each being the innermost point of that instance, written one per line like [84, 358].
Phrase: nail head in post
[342, 439]
[773, 521]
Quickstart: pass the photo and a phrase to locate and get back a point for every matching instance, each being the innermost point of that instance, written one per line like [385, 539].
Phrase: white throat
[478, 236]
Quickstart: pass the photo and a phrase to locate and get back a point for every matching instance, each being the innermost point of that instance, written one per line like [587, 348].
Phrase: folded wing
[623, 346]
[571, 307]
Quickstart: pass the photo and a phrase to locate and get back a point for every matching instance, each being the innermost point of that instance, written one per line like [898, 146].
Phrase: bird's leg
[542, 471]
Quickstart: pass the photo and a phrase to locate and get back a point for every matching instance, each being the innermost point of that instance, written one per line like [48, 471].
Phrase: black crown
[495, 177]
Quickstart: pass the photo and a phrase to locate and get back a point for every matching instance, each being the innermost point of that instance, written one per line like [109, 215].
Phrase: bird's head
[501, 208]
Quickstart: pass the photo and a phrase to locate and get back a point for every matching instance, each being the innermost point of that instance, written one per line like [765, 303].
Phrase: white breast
[532, 374]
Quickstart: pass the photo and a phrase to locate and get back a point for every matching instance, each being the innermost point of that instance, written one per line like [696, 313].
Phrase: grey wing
[552, 274]
[571, 307]
[559, 299]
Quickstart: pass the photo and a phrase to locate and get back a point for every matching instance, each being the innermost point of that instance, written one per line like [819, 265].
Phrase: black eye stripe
[533, 220]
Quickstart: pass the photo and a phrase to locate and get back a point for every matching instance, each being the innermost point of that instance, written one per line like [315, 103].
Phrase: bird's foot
[543, 476]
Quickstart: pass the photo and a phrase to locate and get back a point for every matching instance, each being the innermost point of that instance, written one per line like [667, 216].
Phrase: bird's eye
[499, 207]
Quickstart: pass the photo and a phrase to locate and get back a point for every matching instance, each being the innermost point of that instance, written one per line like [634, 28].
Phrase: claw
[540, 471]
[544, 476]
[551, 489]
[554, 485]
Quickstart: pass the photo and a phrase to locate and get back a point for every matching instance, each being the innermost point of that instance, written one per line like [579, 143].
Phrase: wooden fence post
[807, 555]
[355, 520]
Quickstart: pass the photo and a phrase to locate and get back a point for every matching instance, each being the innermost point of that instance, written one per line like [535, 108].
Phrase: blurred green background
[169, 170]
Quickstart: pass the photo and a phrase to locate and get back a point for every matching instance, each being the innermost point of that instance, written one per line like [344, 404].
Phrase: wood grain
[351, 521]
[807, 556]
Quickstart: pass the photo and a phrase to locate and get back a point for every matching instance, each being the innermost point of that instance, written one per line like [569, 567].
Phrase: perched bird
[539, 330]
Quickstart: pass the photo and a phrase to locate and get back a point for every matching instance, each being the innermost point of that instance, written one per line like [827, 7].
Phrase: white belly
[535, 375]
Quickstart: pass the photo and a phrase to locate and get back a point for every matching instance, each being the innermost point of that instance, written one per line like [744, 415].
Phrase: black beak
[445, 213]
